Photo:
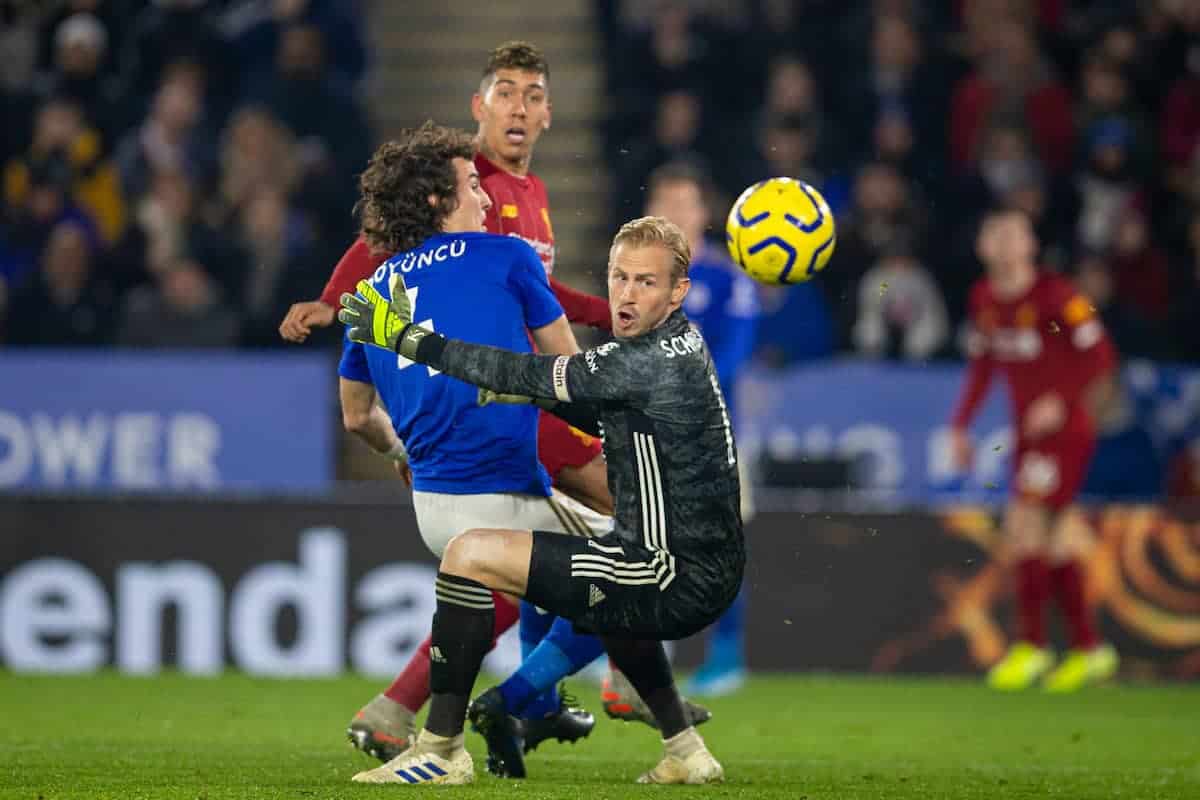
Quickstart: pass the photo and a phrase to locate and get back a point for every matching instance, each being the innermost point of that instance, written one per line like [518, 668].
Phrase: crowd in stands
[175, 172]
[913, 118]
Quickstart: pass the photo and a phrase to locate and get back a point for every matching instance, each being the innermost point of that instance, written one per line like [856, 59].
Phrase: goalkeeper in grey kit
[675, 559]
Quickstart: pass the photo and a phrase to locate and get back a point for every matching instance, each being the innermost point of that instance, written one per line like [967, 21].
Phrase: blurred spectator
[1141, 273]
[791, 88]
[175, 231]
[3, 309]
[795, 326]
[883, 216]
[61, 137]
[1107, 184]
[287, 259]
[63, 304]
[1012, 79]
[81, 45]
[255, 28]
[901, 313]
[789, 145]
[1131, 332]
[1180, 126]
[256, 150]
[45, 205]
[1003, 161]
[1184, 328]
[675, 136]
[327, 122]
[673, 51]
[168, 31]
[1106, 95]
[107, 13]
[895, 107]
[18, 51]
[183, 309]
[171, 139]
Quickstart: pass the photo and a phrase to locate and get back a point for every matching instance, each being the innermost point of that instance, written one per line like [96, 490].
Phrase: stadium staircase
[428, 59]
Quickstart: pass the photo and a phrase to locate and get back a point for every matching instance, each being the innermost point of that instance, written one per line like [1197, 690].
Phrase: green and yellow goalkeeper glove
[372, 320]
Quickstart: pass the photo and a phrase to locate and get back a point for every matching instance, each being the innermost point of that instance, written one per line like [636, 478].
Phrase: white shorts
[441, 517]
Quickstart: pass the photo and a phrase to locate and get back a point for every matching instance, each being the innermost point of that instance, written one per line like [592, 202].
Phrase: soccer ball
[780, 231]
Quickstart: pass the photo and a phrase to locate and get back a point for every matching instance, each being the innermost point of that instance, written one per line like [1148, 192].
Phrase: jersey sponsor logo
[545, 250]
[1009, 344]
[595, 596]
[420, 260]
[976, 343]
[435, 655]
[688, 344]
[1087, 334]
[509, 211]
[592, 356]
[1038, 474]
[559, 377]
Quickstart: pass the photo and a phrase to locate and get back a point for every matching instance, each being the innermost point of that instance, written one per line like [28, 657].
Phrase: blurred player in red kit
[1046, 340]
[512, 108]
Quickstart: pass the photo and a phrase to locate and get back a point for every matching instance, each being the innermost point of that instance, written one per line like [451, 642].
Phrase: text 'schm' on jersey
[483, 289]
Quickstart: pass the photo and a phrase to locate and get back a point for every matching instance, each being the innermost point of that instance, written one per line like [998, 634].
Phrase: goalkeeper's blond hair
[657, 230]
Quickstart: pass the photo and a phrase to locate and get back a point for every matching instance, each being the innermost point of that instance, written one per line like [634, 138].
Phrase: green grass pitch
[783, 737]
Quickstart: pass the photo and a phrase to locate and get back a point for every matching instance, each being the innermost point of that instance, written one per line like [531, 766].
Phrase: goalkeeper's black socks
[462, 636]
[645, 665]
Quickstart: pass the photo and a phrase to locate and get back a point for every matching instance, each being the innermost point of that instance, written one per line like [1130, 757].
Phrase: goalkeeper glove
[372, 320]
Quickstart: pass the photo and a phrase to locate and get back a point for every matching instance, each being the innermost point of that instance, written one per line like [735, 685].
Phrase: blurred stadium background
[175, 488]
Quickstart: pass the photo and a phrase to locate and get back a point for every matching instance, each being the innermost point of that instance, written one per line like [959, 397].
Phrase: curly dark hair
[515, 55]
[393, 207]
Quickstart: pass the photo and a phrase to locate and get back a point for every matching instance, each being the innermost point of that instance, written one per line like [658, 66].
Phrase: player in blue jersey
[723, 302]
[470, 465]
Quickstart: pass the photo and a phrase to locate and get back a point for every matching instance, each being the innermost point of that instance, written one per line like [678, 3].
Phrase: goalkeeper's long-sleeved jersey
[672, 461]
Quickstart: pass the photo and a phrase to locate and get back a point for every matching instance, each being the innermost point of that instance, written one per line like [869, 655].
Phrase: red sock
[411, 687]
[1033, 594]
[1067, 583]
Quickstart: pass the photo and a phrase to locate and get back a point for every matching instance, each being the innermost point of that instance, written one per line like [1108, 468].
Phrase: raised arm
[583, 308]
[607, 373]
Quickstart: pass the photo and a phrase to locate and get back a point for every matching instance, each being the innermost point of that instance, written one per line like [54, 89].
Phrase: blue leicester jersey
[480, 288]
[723, 302]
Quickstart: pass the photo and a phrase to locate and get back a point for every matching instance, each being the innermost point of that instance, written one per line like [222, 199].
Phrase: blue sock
[532, 628]
[726, 645]
[530, 691]
[580, 648]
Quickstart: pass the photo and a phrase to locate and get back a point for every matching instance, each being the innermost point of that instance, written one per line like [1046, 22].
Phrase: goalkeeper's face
[641, 294]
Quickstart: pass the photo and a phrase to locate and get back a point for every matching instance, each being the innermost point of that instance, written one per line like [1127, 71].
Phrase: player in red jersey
[1046, 340]
[512, 108]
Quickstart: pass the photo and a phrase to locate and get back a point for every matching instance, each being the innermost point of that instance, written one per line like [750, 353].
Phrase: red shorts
[560, 445]
[1051, 470]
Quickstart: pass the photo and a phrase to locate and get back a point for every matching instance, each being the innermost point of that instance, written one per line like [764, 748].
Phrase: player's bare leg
[587, 484]
[1026, 533]
[1090, 660]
